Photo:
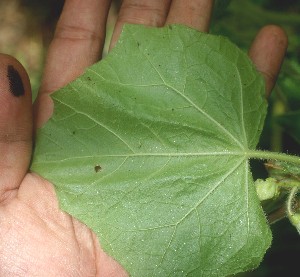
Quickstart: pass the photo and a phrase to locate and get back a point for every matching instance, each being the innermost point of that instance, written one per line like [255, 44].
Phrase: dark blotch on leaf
[16, 86]
[97, 168]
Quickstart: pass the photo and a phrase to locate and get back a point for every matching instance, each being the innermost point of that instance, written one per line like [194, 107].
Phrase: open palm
[36, 237]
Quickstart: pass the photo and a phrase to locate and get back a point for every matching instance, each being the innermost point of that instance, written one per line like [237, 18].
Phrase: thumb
[15, 125]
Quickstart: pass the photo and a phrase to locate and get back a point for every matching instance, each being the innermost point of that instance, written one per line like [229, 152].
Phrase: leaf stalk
[267, 155]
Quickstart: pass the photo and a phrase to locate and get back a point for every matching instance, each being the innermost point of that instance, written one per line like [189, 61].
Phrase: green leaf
[150, 149]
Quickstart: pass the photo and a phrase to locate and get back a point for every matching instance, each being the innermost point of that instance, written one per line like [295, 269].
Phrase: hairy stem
[266, 155]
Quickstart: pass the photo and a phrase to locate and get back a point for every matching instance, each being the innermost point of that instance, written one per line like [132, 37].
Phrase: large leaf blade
[154, 159]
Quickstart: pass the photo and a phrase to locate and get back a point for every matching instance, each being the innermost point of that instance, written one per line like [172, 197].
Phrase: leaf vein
[210, 118]
[97, 122]
[211, 190]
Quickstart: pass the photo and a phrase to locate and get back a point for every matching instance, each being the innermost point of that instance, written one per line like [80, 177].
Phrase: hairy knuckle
[136, 12]
[10, 138]
[74, 32]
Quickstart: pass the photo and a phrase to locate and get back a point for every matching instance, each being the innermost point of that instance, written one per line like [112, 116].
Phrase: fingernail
[16, 86]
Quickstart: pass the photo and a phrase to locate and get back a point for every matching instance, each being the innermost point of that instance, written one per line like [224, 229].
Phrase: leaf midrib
[180, 154]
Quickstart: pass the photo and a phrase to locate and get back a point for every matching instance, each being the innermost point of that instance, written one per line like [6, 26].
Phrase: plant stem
[291, 200]
[266, 155]
[277, 215]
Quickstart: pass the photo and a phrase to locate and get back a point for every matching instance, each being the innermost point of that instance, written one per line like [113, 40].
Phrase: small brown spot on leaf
[97, 168]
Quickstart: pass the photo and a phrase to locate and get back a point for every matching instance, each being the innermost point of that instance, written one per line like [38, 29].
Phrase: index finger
[77, 44]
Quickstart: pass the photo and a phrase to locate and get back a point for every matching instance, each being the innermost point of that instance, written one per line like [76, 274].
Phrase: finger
[15, 125]
[150, 13]
[77, 43]
[267, 52]
[193, 13]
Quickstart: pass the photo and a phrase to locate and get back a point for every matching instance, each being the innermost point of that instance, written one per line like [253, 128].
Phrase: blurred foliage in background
[27, 26]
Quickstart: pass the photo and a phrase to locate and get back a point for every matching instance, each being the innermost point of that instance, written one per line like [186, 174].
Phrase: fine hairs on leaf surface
[150, 148]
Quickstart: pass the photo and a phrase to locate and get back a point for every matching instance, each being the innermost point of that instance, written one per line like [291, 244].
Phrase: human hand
[37, 238]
